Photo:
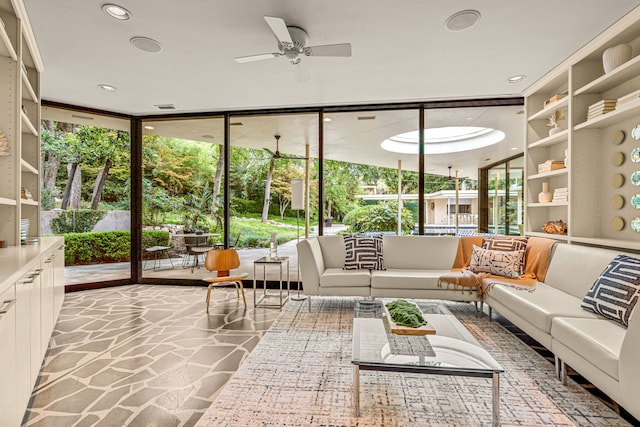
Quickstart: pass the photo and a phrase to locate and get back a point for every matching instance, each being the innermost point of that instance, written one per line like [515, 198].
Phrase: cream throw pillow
[500, 263]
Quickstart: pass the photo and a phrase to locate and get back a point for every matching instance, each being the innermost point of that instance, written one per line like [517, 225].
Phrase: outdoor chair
[231, 245]
[222, 261]
[196, 247]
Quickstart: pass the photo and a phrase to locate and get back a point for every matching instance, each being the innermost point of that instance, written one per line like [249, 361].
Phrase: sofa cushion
[508, 244]
[615, 292]
[539, 306]
[333, 251]
[599, 340]
[363, 252]
[502, 263]
[338, 277]
[420, 252]
[406, 279]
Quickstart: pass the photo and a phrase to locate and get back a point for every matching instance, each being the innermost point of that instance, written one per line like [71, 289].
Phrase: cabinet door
[58, 281]
[46, 292]
[32, 281]
[23, 342]
[8, 410]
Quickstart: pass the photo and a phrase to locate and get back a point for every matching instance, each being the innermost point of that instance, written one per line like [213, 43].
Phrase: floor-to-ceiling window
[504, 196]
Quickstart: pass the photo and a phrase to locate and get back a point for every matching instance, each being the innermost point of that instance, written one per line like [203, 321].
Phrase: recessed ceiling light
[327, 119]
[115, 11]
[146, 44]
[462, 20]
[366, 117]
[149, 127]
[165, 106]
[514, 148]
[108, 88]
[208, 136]
[516, 79]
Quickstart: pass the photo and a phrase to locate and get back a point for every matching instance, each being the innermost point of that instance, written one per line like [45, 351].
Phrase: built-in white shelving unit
[20, 66]
[599, 210]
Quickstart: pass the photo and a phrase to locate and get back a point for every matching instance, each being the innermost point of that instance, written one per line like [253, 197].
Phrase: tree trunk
[284, 203]
[75, 196]
[99, 185]
[267, 191]
[50, 172]
[71, 172]
[217, 181]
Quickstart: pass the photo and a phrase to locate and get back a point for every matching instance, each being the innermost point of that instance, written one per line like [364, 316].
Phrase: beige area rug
[300, 374]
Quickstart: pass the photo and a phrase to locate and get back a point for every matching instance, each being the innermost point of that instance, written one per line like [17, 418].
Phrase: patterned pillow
[616, 291]
[501, 263]
[507, 243]
[363, 252]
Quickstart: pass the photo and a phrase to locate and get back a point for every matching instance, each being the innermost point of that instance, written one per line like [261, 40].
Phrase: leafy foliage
[380, 217]
[76, 221]
[107, 246]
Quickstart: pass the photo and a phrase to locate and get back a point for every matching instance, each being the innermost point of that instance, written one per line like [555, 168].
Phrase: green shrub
[380, 217]
[107, 246]
[76, 221]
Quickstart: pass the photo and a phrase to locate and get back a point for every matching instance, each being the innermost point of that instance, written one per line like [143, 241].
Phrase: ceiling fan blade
[279, 28]
[269, 151]
[341, 49]
[259, 57]
[293, 158]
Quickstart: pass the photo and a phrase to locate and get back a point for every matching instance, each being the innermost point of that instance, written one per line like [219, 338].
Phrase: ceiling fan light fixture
[115, 11]
[462, 20]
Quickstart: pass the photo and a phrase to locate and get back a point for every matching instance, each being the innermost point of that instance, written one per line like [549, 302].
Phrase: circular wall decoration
[617, 180]
[635, 201]
[617, 223]
[635, 224]
[635, 178]
[635, 155]
[635, 132]
[617, 201]
[618, 158]
[618, 137]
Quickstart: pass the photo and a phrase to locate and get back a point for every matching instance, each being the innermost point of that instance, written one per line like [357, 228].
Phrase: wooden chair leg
[208, 296]
[244, 299]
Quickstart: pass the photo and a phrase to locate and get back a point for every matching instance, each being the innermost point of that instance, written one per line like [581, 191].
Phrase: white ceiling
[401, 52]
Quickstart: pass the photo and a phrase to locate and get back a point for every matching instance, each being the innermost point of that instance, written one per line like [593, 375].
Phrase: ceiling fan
[277, 154]
[292, 43]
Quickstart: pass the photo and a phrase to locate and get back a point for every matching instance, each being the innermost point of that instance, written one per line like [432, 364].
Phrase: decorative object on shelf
[25, 194]
[3, 243]
[550, 165]
[635, 201]
[615, 56]
[560, 195]
[635, 132]
[24, 230]
[565, 162]
[618, 137]
[601, 107]
[631, 97]
[617, 223]
[4, 144]
[553, 99]
[545, 195]
[554, 122]
[617, 201]
[555, 227]
[635, 178]
[635, 155]
[617, 180]
[617, 159]
[635, 224]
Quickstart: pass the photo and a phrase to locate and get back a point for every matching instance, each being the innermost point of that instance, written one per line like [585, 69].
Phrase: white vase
[545, 195]
[555, 130]
[615, 56]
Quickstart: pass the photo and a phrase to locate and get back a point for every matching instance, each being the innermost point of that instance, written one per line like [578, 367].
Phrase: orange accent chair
[222, 261]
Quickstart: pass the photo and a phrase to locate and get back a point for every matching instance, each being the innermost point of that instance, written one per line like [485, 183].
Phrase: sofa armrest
[629, 368]
[311, 265]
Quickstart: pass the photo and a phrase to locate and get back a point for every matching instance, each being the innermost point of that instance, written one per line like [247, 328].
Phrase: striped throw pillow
[363, 252]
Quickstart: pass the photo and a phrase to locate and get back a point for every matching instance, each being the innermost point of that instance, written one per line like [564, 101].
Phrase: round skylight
[452, 139]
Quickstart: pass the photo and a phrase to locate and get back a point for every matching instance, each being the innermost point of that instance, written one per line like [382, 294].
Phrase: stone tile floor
[143, 355]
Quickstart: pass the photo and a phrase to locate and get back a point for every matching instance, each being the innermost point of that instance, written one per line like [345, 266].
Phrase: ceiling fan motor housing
[300, 39]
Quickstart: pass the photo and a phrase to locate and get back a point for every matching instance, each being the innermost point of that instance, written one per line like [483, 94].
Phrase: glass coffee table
[452, 350]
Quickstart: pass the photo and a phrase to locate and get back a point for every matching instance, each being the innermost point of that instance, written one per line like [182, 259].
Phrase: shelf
[28, 126]
[556, 172]
[29, 89]
[547, 110]
[6, 48]
[551, 140]
[7, 202]
[625, 112]
[26, 167]
[621, 74]
[28, 202]
[547, 235]
[547, 205]
[625, 244]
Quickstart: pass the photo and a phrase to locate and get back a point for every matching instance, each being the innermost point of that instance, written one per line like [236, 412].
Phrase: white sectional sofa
[603, 351]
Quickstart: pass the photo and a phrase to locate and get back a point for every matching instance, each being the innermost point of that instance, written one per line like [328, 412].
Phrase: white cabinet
[603, 191]
[58, 278]
[9, 412]
[20, 67]
[47, 300]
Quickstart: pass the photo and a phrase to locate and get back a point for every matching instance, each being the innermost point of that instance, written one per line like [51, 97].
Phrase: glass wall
[505, 197]
[85, 192]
